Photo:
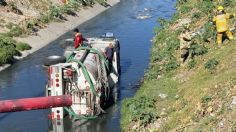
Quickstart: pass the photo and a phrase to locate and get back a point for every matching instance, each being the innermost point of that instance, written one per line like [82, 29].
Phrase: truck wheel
[52, 60]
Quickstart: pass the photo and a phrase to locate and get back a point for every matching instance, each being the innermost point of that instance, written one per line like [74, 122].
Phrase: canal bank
[27, 78]
[197, 94]
[56, 29]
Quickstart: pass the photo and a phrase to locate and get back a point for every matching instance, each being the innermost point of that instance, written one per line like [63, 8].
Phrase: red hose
[34, 103]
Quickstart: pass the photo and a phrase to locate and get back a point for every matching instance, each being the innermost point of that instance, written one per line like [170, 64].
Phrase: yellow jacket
[221, 22]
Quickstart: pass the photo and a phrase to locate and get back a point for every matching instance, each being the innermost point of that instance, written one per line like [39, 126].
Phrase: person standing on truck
[222, 27]
[109, 54]
[78, 39]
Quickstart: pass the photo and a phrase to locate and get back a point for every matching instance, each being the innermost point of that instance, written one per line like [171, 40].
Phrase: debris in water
[142, 17]
[144, 13]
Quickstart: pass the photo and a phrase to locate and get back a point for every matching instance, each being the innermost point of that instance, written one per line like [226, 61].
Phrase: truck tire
[52, 60]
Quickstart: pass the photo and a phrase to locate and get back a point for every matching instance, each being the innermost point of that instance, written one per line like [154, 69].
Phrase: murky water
[27, 78]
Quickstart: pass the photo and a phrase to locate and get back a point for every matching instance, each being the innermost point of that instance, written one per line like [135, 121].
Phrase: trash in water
[143, 17]
[145, 10]
[144, 13]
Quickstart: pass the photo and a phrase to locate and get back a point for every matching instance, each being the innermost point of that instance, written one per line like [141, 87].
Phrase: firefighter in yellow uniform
[222, 25]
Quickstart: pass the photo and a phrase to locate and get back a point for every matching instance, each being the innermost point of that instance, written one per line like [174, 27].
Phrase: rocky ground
[19, 11]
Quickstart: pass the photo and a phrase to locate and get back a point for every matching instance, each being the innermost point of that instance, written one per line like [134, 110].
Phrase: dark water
[27, 78]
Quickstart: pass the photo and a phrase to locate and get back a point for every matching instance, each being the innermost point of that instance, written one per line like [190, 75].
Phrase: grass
[198, 93]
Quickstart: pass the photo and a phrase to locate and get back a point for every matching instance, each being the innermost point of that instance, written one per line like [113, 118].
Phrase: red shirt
[78, 40]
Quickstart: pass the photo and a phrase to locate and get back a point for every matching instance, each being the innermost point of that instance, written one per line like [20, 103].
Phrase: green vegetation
[191, 64]
[23, 46]
[142, 110]
[211, 64]
[10, 48]
[192, 96]
[7, 50]
[15, 31]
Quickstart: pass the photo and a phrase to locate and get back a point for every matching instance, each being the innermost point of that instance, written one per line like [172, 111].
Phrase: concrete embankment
[56, 29]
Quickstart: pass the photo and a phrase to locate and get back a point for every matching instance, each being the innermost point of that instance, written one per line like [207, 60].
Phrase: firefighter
[185, 42]
[221, 22]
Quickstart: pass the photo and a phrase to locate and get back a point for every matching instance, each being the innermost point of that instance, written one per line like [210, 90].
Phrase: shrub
[142, 109]
[7, 53]
[75, 5]
[23, 46]
[44, 19]
[197, 50]
[7, 49]
[152, 72]
[6, 41]
[55, 11]
[172, 44]
[191, 63]
[15, 31]
[211, 64]
[157, 29]
[171, 65]
[162, 22]
[166, 43]
[185, 9]
[32, 23]
[175, 17]
[208, 31]
[68, 10]
[101, 1]
[206, 6]
[206, 99]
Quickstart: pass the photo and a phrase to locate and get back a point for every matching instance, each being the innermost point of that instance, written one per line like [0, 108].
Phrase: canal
[27, 78]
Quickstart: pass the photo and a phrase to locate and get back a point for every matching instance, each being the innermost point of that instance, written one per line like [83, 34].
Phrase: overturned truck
[87, 76]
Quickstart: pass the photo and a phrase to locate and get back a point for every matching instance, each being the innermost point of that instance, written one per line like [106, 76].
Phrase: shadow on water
[125, 64]
[27, 78]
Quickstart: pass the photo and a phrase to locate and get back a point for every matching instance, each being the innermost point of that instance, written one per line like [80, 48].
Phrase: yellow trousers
[220, 35]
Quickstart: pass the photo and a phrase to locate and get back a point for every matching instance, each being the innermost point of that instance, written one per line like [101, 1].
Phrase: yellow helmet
[220, 8]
